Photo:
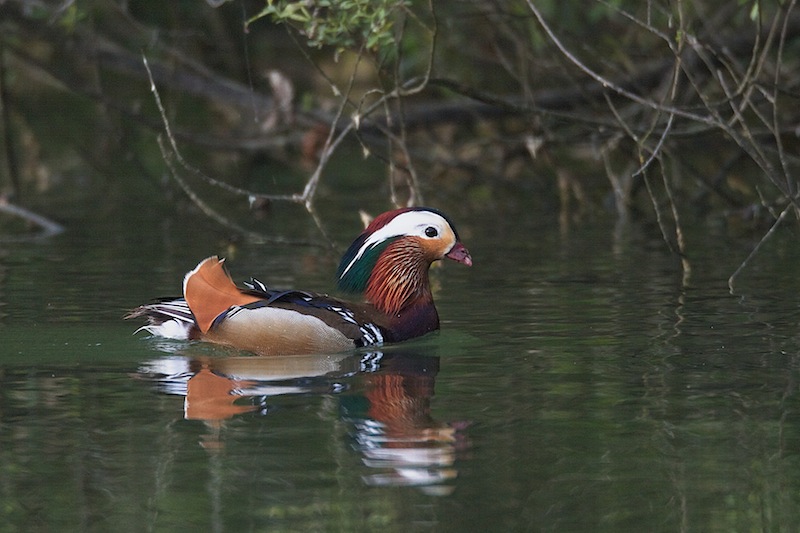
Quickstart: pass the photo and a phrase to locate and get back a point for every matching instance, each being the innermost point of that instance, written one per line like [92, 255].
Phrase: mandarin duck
[387, 263]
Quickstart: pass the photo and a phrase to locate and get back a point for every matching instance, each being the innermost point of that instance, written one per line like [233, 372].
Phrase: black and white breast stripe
[371, 334]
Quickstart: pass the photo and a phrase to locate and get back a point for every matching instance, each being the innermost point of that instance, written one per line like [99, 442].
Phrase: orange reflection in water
[386, 400]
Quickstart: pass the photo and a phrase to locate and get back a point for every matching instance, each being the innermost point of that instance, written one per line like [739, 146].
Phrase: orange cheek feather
[435, 249]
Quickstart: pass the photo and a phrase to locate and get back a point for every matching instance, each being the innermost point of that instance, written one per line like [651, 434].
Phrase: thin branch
[422, 84]
[639, 22]
[758, 246]
[48, 227]
[169, 158]
[185, 164]
[307, 198]
[746, 139]
[680, 241]
[621, 192]
[791, 185]
[401, 140]
[659, 217]
[605, 82]
[174, 154]
[399, 91]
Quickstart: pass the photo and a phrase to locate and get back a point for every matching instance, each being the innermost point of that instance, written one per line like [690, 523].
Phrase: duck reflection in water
[384, 398]
[393, 428]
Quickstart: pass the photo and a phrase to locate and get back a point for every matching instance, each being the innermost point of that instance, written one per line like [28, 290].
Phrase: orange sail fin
[210, 291]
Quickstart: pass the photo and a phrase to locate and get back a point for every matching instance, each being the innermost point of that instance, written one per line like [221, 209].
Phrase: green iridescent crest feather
[356, 277]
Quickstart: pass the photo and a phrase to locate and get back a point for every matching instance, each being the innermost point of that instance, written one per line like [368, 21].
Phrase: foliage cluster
[343, 24]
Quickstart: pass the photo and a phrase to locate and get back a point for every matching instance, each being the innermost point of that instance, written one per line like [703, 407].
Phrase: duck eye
[430, 231]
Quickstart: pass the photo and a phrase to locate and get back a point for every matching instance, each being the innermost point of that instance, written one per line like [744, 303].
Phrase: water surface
[581, 382]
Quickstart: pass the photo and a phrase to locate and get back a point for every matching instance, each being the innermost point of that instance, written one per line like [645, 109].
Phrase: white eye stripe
[408, 223]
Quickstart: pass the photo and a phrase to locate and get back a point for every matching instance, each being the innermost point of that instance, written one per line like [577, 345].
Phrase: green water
[580, 383]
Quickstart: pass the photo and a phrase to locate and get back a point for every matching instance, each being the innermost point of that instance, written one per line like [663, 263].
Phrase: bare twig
[169, 158]
[401, 140]
[208, 179]
[659, 216]
[758, 246]
[607, 83]
[175, 155]
[791, 185]
[737, 114]
[680, 241]
[331, 143]
[417, 86]
[48, 227]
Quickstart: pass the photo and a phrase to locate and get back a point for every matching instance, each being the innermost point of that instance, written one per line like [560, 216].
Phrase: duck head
[389, 261]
